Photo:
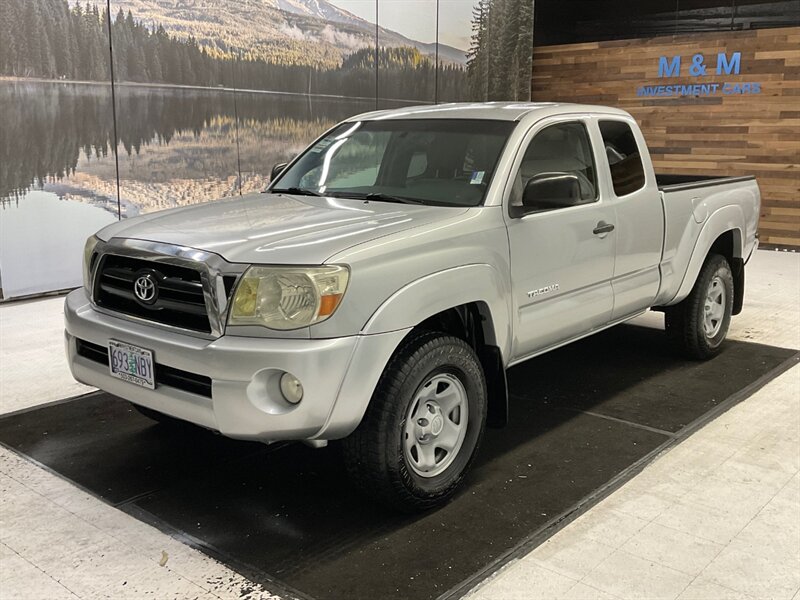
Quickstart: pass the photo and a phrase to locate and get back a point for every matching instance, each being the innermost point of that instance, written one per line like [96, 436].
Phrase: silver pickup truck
[377, 292]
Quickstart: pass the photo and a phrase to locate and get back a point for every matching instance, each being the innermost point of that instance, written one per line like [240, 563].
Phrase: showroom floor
[714, 517]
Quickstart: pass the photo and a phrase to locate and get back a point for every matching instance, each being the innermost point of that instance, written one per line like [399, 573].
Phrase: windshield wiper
[377, 196]
[389, 198]
[297, 191]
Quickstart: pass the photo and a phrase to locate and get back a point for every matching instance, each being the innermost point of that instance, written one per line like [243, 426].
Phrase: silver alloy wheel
[436, 424]
[714, 308]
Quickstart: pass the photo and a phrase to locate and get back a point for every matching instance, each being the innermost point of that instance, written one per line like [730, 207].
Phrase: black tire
[685, 321]
[373, 453]
[159, 417]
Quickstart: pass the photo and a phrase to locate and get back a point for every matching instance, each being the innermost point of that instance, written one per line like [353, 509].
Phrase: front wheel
[423, 426]
[697, 326]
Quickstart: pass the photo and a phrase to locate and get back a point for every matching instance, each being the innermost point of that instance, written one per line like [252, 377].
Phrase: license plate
[131, 363]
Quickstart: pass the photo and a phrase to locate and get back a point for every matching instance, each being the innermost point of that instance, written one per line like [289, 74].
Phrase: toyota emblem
[145, 288]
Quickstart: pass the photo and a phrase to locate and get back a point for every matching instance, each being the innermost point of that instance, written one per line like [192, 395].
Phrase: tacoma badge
[543, 290]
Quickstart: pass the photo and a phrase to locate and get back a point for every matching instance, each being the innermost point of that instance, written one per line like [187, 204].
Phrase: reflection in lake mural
[191, 154]
[48, 129]
[59, 136]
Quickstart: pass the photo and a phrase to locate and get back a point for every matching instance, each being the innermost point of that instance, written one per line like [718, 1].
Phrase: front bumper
[338, 375]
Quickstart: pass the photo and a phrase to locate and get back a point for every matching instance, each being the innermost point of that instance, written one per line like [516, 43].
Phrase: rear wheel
[423, 426]
[697, 326]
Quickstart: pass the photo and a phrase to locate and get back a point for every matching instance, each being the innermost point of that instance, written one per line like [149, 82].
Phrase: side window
[624, 159]
[557, 170]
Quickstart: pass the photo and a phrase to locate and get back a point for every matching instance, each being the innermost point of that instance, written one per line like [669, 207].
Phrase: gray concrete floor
[716, 517]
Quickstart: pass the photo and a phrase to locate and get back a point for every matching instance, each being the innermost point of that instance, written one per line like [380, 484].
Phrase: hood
[278, 228]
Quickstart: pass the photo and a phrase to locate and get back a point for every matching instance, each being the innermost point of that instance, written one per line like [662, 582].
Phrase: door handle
[603, 227]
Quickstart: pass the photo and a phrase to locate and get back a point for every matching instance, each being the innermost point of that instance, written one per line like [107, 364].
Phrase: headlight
[88, 264]
[288, 297]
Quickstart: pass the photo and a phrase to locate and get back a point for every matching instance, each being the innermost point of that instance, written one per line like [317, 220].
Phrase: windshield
[422, 161]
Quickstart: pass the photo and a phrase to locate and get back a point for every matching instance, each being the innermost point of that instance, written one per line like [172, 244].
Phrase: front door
[562, 249]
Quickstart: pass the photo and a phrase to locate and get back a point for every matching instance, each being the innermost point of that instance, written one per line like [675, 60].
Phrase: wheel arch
[469, 302]
[722, 234]
[478, 285]
[729, 244]
[472, 322]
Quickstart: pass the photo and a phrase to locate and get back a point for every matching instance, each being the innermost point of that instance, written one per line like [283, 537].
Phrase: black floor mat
[580, 416]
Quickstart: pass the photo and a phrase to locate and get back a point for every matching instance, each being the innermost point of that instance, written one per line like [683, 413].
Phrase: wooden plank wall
[720, 134]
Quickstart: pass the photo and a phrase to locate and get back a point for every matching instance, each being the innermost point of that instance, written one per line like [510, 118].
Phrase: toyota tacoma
[379, 289]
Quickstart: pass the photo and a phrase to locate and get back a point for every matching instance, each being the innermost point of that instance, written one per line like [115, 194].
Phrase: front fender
[727, 218]
[434, 293]
[398, 315]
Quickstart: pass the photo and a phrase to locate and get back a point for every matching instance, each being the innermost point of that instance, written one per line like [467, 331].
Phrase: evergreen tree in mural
[499, 60]
[477, 58]
[48, 39]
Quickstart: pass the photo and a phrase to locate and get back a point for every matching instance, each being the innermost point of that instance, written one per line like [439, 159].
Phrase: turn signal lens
[328, 304]
[288, 297]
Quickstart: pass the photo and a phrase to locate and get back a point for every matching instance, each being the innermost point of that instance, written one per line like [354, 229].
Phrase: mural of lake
[177, 146]
[183, 134]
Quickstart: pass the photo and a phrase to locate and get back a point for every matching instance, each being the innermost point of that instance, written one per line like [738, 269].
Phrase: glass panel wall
[454, 35]
[499, 61]
[289, 91]
[57, 176]
[176, 118]
[208, 97]
[407, 52]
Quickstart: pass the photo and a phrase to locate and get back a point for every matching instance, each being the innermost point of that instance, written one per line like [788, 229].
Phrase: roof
[498, 111]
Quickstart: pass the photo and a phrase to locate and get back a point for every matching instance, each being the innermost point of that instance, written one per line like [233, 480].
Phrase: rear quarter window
[624, 157]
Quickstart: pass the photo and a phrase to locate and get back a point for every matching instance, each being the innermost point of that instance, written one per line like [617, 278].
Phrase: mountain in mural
[319, 8]
[300, 32]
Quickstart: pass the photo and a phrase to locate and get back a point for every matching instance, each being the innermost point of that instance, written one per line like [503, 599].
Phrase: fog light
[291, 388]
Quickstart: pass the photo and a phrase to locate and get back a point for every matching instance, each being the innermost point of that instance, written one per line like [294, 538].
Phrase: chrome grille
[179, 299]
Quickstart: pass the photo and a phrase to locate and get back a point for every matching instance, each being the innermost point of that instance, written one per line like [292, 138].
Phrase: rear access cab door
[562, 256]
[630, 187]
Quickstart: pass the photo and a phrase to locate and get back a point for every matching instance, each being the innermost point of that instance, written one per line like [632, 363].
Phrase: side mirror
[546, 191]
[277, 170]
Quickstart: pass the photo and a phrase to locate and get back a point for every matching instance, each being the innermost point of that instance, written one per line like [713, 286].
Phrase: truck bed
[688, 182]
[689, 201]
